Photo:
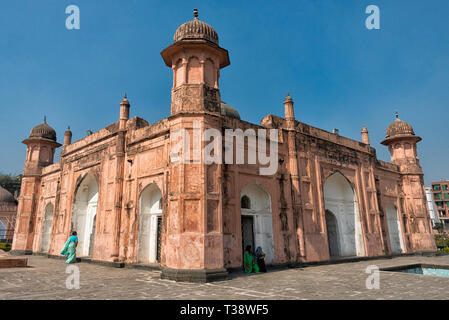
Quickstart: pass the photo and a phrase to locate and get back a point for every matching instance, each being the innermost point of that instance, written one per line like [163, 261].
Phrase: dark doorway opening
[332, 234]
[247, 233]
[159, 239]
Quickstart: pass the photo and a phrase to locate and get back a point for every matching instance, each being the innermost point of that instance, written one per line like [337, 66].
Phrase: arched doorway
[394, 229]
[332, 234]
[46, 228]
[150, 218]
[340, 200]
[257, 220]
[83, 215]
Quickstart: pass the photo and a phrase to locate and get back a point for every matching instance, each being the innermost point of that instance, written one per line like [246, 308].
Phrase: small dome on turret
[196, 29]
[43, 131]
[399, 127]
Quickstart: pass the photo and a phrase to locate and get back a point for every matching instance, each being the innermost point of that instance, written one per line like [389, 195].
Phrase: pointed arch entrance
[394, 229]
[257, 220]
[150, 218]
[46, 227]
[342, 218]
[83, 215]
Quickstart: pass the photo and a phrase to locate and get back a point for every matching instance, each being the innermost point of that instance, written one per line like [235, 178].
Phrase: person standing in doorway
[260, 259]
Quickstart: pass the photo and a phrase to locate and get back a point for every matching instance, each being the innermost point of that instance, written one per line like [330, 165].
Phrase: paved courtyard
[46, 279]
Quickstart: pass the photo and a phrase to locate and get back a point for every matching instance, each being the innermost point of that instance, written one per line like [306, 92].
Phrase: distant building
[8, 212]
[433, 210]
[440, 192]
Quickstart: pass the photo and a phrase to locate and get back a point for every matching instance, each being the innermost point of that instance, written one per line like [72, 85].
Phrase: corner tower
[41, 146]
[192, 231]
[196, 59]
[401, 141]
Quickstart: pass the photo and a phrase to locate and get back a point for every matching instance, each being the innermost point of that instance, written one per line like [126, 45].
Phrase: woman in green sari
[249, 261]
[69, 249]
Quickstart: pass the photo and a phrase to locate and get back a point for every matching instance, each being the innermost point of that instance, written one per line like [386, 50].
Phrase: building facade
[129, 201]
[440, 192]
[433, 210]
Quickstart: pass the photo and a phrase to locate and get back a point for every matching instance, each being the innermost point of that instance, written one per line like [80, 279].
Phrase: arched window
[245, 202]
[179, 73]
[209, 73]
[194, 71]
[408, 150]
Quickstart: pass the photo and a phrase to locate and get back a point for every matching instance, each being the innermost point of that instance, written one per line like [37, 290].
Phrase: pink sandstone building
[118, 188]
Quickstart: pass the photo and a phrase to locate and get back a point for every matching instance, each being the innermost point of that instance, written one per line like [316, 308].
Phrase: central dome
[196, 30]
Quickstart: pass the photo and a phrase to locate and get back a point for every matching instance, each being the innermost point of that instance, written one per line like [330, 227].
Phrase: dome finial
[195, 13]
[397, 115]
[45, 119]
[125, 100]
[364, 129]
[288, 98]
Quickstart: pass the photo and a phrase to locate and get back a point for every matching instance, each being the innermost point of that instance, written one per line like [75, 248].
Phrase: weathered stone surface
[46, 279]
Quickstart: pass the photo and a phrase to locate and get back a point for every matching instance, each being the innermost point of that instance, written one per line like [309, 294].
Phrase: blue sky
[340, 74]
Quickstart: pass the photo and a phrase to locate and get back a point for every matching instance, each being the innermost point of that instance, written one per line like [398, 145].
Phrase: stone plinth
[7, 261]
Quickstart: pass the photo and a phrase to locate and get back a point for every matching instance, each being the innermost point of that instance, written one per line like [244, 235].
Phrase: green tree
[11, 182]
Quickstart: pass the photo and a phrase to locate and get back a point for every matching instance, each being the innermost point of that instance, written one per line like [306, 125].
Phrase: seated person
[249, 261]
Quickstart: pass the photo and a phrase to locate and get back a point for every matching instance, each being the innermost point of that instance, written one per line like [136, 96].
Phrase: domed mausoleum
[179, 194]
